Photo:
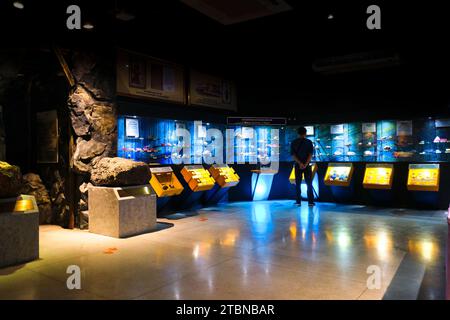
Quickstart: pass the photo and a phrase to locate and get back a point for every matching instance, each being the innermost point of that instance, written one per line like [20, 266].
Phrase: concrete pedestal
[122, 211]
[19, 230]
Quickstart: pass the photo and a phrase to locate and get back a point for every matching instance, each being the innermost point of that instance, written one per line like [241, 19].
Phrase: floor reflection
[244, 248]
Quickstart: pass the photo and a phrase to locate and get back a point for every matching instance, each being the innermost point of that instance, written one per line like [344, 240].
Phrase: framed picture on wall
[137, 72]
[142, 76]
[404, 128]
[47, 137]
[212, 91]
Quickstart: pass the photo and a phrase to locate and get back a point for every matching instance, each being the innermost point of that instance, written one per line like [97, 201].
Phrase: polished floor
[247, 250]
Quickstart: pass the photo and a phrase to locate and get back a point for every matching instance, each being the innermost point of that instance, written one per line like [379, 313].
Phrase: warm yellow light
[293, 230]
[23, 205]
[230, 237]
[329, 236]
[428, 250]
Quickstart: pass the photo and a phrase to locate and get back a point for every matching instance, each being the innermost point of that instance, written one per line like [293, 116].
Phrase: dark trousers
[298, 182]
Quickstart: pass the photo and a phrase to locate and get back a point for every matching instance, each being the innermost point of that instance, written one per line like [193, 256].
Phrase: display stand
[164, 182]
[122, 211]
[19, 230]
[197, 178]
[262, 183]
[224, 175]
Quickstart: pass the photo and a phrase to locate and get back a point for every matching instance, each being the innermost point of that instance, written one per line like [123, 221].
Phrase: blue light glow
[261, 186]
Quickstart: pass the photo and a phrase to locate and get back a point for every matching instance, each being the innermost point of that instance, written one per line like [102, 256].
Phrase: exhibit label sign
[255, 121]
[369, 127]
[309, 130]
[132, 128]
[211, 91]
[146, 77]
[337, 129]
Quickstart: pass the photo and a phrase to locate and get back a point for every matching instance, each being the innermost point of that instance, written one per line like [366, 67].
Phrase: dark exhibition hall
[232, 150]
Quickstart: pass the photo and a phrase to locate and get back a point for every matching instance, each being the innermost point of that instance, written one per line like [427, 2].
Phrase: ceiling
[271, 54]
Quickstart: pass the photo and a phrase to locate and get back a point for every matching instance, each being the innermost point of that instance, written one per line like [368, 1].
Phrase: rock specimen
[116, 172]
[84, 190]
[10, 180]
[33, 186]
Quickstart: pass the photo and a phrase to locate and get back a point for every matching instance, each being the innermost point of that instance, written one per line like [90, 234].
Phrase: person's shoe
[297, 203]
[312, 204]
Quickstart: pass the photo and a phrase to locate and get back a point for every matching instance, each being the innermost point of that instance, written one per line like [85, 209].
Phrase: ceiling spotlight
[18, 5]
[330, 16]
[88, 25]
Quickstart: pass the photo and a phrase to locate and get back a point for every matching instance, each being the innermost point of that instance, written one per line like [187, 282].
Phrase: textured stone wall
[92, 109]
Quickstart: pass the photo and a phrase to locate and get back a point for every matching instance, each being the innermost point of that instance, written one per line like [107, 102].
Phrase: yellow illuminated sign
[423, 177]
[197, 178]
[339, 174]
[224, 175]
[164, 182]
[292, 175]
[378, 176]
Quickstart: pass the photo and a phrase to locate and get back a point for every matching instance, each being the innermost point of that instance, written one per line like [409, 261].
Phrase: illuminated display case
[425, 140]
[378, 176]
[224, 175]
[339, 174]
[198, 178]
[154, 141]
[423, 177]
[258, 144]
[292, 175]
[164, 182]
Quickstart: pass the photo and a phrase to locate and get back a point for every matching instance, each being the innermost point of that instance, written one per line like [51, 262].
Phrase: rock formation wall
[33, 185]
[92, 109]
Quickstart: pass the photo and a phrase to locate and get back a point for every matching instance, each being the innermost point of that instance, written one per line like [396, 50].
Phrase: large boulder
[33, 186]
[115, 172]
[10, 180]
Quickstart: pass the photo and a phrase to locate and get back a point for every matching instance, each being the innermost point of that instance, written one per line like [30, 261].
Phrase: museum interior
[147, 145]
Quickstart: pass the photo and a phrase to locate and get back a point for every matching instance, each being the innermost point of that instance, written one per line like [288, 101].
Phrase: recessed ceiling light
[330, 16]
[88, 25]
[18, 5]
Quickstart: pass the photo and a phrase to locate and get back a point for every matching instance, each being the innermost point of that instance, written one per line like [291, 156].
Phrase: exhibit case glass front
[155, 141]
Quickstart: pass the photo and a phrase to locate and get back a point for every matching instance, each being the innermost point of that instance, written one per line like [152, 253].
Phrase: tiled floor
[248, 250]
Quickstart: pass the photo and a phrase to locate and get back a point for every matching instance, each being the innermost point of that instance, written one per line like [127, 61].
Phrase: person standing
[302, 151]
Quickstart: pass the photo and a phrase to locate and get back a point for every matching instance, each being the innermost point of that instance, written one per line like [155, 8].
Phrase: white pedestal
[122, 211]
[19, 230]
